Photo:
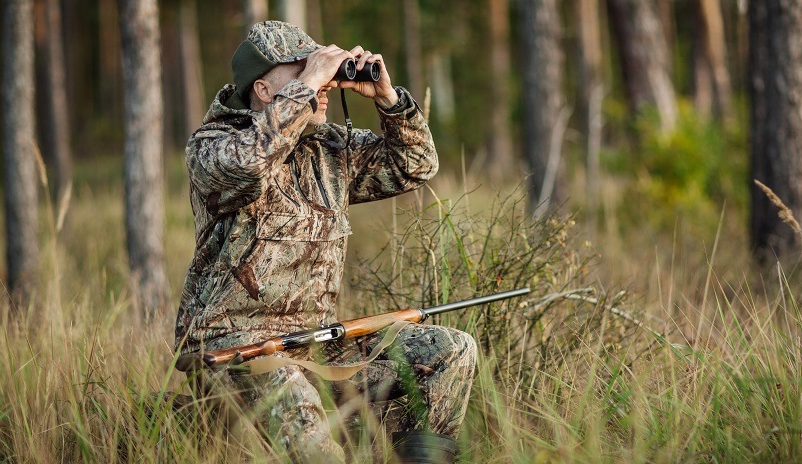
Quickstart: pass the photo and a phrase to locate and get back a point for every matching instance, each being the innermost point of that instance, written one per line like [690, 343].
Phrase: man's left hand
[381, 91]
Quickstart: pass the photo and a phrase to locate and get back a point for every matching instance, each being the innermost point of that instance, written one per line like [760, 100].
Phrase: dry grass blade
[784, 212]
[40, 165]
[63, 206]
[427, 103]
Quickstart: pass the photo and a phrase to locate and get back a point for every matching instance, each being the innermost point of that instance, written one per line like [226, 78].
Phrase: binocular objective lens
[350, 69]
[375, 71]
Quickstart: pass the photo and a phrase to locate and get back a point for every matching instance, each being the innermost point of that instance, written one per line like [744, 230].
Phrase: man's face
[282, 74]
[322, 104]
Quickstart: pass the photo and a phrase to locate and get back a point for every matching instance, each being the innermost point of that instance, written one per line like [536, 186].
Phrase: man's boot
[424, 448]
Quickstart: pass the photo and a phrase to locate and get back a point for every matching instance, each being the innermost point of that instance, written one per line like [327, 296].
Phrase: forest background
[602, 152]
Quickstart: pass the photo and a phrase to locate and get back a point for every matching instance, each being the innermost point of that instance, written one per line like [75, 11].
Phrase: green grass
[710, 372]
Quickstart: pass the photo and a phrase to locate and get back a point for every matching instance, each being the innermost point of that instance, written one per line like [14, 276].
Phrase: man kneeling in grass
[271, 183]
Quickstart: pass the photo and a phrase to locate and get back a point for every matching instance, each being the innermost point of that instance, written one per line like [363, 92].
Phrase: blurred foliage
[690, 173]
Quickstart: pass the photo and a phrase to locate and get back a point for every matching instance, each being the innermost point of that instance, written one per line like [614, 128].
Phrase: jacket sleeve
[231, 160]
[402, 159]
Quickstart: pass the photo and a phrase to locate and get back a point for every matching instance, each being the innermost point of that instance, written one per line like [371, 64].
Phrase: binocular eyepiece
[347, 72]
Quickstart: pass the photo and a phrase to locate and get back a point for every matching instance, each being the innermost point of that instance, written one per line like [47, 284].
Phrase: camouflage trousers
[428, 368]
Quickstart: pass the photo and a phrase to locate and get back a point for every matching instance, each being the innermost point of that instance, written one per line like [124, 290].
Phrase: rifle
[353, 328]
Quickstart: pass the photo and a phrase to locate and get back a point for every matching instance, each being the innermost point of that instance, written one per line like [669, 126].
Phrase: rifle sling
[267, 364]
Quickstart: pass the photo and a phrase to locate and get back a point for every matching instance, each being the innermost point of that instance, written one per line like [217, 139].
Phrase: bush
[687, 174]
[530, 347]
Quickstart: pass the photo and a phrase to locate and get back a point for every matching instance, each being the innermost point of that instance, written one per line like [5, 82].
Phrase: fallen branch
[582, 294]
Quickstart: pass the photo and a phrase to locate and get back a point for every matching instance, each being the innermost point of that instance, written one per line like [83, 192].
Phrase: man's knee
[438, 346]
[458, 347]
[464, 346]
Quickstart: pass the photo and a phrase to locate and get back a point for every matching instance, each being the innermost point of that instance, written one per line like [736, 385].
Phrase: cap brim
[301, 54]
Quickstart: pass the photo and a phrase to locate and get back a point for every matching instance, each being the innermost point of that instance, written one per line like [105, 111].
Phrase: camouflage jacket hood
[270, 199]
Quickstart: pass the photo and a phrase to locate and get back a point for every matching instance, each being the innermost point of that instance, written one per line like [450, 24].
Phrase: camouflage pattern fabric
[281, 42]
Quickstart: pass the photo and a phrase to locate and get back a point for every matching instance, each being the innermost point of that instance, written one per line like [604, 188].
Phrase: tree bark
[702, 74]
[542, 96]
[712, 62]
[665, 14]
[21, 181]
[591, 95]
[108, 94]
[255, 11]
[144, 184]
[442, 79]
[292, 11]
[775, 30]
[172, 92]
[54, 132]
[414, 59]
[501, 157]
[190, 67]
[645, 58]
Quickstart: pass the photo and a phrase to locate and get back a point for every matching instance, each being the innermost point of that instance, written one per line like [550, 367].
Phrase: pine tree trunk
[645, 57]
[190, 67]
[53, 115]
[21, 180]
[591, 95]
[414, 59]
[442, 79]
[714, 46]
[775, 70]
[665, 14]
[255, 11]
[172, 85]
[501, 157]
[702, 74]
[292, 11]
[542, 97]
[109, 91]
[144, 197]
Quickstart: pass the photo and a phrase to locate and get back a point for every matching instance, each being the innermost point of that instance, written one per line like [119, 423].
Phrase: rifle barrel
[474, 301]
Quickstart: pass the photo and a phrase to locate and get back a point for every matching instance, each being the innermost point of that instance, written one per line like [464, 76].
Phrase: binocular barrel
[347, 72]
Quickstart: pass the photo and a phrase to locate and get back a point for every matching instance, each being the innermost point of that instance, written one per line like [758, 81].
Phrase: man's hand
[322, 65]
[382, 91]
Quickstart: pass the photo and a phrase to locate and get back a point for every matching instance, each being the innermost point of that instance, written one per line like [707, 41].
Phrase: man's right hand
[322, 65]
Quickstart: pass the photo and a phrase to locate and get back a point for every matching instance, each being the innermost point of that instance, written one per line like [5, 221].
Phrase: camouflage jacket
[270, 198]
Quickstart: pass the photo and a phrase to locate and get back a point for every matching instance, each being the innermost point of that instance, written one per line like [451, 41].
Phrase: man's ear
[263, 91]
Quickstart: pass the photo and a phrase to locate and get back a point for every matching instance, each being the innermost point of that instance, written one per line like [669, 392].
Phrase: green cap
[269, 44]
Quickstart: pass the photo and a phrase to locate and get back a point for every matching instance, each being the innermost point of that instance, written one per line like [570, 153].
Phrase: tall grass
[701, 368]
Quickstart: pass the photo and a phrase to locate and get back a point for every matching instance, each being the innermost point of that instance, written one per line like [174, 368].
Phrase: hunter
[271, 182]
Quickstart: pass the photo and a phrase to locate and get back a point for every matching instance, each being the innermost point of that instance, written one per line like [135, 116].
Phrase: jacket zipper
[287, 196]
[294, 170]
[320, 183]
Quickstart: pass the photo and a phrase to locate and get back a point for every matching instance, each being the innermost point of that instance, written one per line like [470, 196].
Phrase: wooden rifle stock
[353, 328]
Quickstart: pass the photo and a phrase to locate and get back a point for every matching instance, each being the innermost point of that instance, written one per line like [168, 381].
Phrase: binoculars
[347, 72]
